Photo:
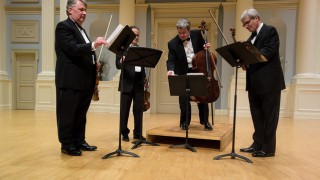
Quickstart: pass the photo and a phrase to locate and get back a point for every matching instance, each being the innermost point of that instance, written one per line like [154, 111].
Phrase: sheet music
[195, 74]
[115, 34]
[255, 52]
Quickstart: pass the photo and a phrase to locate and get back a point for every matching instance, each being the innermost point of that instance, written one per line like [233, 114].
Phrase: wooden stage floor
[30, 150]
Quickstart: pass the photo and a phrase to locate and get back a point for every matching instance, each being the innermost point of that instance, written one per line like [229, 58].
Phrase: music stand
[119, 45]
[122, 41]
[238, 54]
[144, 57]
[187, 85]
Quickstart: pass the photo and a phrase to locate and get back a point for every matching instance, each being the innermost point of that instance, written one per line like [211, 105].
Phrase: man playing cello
[182, 48]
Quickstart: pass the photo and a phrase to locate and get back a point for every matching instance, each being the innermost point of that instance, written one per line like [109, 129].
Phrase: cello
[205, 62]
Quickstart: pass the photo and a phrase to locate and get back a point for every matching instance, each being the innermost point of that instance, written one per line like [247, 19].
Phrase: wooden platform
[219, 138]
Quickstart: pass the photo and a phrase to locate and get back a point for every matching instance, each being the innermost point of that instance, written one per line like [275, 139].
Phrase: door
[165, 102]
[25, 77]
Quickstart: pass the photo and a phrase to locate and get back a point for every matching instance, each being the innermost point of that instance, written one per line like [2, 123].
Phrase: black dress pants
[202, 107]
[265, 115]
[136, 95]
[72, 107]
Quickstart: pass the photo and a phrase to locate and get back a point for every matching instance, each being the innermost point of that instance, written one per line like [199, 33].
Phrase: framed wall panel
[24, 31]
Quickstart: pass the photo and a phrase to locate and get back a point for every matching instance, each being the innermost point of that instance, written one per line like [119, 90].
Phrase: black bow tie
[254, 34]
[188, 39]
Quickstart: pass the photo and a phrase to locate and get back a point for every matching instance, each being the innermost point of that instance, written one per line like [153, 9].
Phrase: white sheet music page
[195, 74]
[115, 34]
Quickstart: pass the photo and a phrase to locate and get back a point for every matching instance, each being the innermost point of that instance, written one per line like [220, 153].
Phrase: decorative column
[242, 33]
[127, 12]
[306, 46]
[126, 17]
[63, 13]
[242, 97]
[5, 84]
[3, 74]
[45, 85]
[305, 88]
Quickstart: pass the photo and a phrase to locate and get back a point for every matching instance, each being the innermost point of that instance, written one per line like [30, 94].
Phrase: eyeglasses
[247, 22]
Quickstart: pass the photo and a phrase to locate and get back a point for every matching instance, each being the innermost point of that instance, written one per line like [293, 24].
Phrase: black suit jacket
[177, 59]
[266, 77]
[74, 66]
[128, 76]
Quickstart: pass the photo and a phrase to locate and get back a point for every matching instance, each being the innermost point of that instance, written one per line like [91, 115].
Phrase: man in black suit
[75, 78]
[182, 48]
[133, 89]
[264, 82]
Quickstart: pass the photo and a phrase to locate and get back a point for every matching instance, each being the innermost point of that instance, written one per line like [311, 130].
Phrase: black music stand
[144, 57]
[122, 41]
[119, 46]
[237, 55]
[187, 85]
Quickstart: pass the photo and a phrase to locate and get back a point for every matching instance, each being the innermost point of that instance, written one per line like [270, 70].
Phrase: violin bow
[105, 35]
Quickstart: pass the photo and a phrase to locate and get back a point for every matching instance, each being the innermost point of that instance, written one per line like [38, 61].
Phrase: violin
[146, 96]
[146, 103]
[95, 96]
[205, 62]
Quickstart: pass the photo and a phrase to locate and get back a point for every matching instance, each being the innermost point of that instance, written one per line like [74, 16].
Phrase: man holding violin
[182, 48]
[133, 89]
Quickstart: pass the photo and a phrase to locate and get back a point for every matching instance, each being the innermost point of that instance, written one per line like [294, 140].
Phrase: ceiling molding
[25, 10]
[292, 4]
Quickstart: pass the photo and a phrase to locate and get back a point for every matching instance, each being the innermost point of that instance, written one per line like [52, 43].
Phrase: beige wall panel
[45, 95]
[5, 94]
[109, 98]
[309, 100]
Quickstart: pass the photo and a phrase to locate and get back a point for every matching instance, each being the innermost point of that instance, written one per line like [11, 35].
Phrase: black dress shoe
[86, 147]
[125, 138]
[247, 150]
[262, 154]
[138, 137]
[207, 126]
[183, 126]
[72, 151]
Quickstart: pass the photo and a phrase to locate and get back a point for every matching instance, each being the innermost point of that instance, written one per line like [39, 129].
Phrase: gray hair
[183, 24]
[72, 3]
[251, 13]
[134, 27]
